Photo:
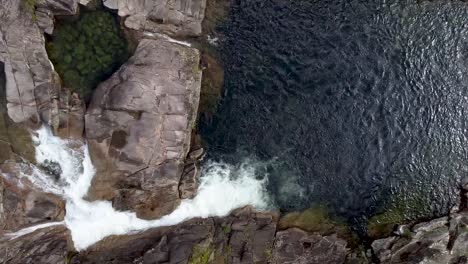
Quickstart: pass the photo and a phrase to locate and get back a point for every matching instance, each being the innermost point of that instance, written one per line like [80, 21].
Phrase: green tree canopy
[87, 51]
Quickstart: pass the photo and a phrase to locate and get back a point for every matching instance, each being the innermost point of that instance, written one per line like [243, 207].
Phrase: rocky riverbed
[139, 127]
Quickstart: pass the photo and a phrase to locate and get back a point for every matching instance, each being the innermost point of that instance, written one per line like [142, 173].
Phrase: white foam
[31, 229]
[222, 189]
[166, 37]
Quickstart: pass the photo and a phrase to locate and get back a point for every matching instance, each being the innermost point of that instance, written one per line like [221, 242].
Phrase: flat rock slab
[139, 124]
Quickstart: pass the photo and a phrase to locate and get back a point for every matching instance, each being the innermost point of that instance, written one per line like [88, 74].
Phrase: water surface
[359, 105]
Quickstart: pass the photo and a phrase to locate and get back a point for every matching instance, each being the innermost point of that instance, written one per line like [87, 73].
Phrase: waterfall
[222, 188]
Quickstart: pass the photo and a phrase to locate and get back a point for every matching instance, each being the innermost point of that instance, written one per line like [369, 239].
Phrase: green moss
[200, 254]
[269, 254]
[30, 6]
[211, 85]
[318, 220]
[227, 230]
[315, 219]
[87, 51]
[401, 210]
[14, 139]
[216, 13]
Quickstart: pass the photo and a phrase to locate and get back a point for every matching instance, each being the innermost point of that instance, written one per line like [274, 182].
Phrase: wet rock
[189, 181]
[299, 247]
[139, 126]
[243, 237]
[52, 168]
[173, 17]
[48, 245]
[22, 204]
[441, 240]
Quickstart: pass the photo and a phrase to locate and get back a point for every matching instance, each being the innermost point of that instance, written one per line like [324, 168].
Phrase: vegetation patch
[30, 6]
[200, 254]
[87, 51]
[318, 220]
[401, 210]
[211, 85]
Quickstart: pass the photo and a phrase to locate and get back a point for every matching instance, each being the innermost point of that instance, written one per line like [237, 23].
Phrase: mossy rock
[216, 13]
[318, 220]
[315, 219]
[382, 225]
[87, 51]
[401, 210]
[201, 254]
[211, 84]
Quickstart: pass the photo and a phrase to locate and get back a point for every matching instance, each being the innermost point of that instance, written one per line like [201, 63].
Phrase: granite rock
[138, 126]
[172, 17]
[441, 240]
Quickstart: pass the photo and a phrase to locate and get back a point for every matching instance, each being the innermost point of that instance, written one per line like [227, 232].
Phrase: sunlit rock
[139, 126]
[175, 17]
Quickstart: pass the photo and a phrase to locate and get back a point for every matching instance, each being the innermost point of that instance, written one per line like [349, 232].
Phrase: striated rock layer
[45, 246]
[244, 237]
[139, 125]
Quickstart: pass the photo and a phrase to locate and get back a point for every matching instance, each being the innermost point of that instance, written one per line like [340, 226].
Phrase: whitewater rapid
[222, 188]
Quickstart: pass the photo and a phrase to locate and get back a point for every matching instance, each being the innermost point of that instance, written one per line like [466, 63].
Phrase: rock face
[172, 17]
[32, 88]
[443, 240]
[139, 125]
[21, 203]
[294, 246]
[243, 237]
[48, 245]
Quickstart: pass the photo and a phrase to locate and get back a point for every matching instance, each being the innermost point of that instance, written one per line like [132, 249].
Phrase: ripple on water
[363, 103]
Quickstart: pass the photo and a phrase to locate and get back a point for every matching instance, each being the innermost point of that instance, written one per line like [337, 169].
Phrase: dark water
[360, 105]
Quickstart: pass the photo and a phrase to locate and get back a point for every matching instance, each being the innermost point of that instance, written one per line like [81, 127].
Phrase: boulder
[138, 127]
[172, 17]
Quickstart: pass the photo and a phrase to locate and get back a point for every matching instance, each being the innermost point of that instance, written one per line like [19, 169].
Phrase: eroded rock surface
[442, 240]
[22, 204]
[173, 17]
[48, 245]
[244, 237]
[139, 125]
[295, 246]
